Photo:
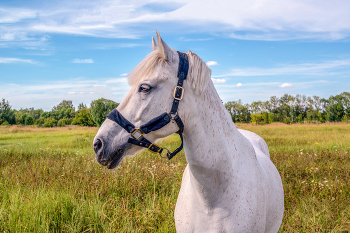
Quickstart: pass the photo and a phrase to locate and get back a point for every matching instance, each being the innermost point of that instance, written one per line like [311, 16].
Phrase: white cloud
[48, 94]
[195, 39]
[117, 80]
[12, 15]
[248, 20]
[273, 84]
[218, 80]
[264, 19]
[83, 61]
[264, 90]
[212, 63]
[108, 46]
[322, 68]
[124, 74]
[16, 60]
[286, 85]
[239, 84]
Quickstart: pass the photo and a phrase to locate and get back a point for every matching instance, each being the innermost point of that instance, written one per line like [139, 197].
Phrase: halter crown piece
[137, 134]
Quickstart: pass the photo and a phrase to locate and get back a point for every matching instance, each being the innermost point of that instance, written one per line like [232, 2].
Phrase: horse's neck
[209, 132]
[213, 146]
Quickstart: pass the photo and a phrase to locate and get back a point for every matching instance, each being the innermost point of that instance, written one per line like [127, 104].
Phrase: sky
[83, 50]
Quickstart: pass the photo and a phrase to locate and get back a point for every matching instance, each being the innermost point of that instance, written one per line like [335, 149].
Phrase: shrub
[5, 123]
[40, 121]
[83, 117]
[257, 118]
[287, 120]
[49, 122]
[29, 120]
[63, 122]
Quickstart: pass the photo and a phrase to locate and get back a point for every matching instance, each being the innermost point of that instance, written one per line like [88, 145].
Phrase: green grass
[50, 181]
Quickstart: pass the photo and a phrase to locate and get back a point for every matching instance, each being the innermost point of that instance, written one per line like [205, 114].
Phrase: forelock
[147, 67]
[198, 74]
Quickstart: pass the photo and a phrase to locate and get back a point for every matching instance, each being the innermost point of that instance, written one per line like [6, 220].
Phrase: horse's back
[256, 141]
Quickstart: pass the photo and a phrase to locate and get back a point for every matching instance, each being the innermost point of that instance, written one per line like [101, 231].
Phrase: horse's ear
[154, 44]
[165, 51]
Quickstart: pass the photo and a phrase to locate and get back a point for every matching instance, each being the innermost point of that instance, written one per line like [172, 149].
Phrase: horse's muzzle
[108, 157]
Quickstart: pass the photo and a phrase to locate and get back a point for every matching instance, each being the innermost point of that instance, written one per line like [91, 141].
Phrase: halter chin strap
[137, 134]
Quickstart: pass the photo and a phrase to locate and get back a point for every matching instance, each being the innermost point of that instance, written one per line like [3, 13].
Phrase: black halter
[137, 134]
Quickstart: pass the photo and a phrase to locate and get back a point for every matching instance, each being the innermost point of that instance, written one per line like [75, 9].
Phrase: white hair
[198, 74]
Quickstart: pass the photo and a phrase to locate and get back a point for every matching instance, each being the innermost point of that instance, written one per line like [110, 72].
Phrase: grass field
[50, 181]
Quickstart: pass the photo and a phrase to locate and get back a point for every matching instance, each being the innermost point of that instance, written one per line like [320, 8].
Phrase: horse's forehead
[158, 74]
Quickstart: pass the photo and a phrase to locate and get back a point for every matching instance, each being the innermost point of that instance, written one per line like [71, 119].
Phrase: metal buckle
[167, 153]
[182, 92]
[149, 148]
[137, 130]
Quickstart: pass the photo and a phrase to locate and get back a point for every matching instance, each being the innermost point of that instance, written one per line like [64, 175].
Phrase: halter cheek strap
[137, 134]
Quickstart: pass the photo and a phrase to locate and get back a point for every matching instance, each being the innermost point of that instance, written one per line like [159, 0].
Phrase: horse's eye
[145, 88]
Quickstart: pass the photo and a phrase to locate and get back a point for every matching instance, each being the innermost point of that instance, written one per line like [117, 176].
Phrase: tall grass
[50, 181]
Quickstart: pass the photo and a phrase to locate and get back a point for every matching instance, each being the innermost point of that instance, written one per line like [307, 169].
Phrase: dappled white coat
[230, 183]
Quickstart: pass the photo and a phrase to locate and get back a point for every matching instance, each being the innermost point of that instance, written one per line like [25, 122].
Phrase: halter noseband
[137, 134]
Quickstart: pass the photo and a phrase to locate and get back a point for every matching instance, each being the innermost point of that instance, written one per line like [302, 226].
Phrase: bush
[63, 122]
[271, 117]
[40, 121]
[257, 118]
[287, 120]
[49, 122]
[29, 120]
[83, 117]
[5, 123]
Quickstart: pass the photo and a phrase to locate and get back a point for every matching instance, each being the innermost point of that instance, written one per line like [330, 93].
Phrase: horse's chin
[116, 158]
[114, 162]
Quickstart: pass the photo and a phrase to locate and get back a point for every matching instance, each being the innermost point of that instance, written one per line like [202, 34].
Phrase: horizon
[83, 50]
[76, 107]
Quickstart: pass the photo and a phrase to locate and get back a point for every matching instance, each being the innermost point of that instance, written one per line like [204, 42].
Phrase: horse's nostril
[97, 145]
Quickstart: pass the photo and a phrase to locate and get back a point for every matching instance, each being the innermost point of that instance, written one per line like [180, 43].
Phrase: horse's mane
[198, 74]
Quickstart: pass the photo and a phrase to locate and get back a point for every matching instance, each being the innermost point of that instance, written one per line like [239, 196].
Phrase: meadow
[50, 181]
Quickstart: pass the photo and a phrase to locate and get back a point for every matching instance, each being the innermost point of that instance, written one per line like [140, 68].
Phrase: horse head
[152, 86]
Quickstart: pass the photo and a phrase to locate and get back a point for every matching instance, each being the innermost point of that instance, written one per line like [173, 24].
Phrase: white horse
[230, 183]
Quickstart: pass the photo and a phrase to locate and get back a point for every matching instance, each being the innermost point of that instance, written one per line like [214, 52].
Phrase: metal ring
[167, 153]
[175, 114]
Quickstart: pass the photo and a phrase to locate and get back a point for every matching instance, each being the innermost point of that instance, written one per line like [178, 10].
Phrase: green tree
[29, 120]
[257, 118]
[239, 112]
[100, 108]
[63, 122]
[335, 109]
[83, 118]
[40, 122]
[6, 113]
[50, 122]
[21, 117]
[81, 106]
[62, 105]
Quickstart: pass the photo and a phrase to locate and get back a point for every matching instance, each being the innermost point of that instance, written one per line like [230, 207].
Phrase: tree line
[292, 109]
[62, 114]
[287, 109]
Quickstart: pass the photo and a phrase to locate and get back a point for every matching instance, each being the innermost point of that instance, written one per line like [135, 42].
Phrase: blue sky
[82, 50]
